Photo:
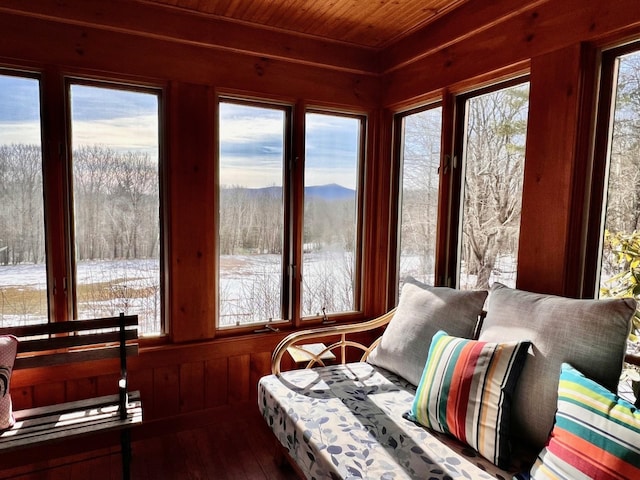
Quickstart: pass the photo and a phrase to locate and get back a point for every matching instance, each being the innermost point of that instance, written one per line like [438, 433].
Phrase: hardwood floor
[236, 448]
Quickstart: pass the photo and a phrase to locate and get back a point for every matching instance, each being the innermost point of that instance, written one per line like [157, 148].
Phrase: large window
[459, 210]
[23, 279]
[420, 134]
[289, 221]
[251, 206]
[493, 147]
[100, 215]
[331, 239]
[116, 208]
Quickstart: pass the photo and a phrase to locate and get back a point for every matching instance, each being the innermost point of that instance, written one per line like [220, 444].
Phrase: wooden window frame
[454, 217]
[293, 195]
[397, 178]
[448, 230]
[360, 250]
[599, 172]
[55, 122]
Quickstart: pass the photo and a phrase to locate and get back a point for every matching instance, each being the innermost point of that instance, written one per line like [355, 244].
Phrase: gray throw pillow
[589, 334]
[421, 312]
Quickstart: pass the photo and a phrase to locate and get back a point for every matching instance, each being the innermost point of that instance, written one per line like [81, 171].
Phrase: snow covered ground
[104, 288]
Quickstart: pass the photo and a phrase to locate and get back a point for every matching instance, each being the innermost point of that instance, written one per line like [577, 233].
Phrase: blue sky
[251, 147]
[19, 110]
[121, 120]
[251, 137]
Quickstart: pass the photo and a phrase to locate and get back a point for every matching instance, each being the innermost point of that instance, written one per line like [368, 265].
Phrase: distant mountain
[329, 192]
[332, 191]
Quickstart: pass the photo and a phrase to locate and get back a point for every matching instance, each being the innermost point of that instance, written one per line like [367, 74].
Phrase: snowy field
[105, 288]
[250, 288]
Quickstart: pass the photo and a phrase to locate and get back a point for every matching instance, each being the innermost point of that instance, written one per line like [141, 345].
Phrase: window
[459, 214]
[23, 279]
[289, 224]
[622, 200]
[251, 206]
[100, 216]
[420, 134]
[617, 162]
[331, 225]
[493, 147]
[116, 203]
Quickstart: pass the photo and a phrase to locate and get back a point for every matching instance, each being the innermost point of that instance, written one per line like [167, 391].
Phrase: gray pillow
[589, 334]
[422, 311]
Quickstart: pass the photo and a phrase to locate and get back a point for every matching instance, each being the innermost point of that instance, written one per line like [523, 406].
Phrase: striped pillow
[596, 434]
[466, 390]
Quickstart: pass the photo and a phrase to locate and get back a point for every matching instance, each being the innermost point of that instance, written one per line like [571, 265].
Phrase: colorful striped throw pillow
[466, 389]
[596, 434]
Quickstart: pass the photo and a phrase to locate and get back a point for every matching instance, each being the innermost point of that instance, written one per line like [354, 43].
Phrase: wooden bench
[58, 343]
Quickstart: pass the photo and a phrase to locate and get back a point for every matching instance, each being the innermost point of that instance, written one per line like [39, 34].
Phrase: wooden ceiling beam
[540, 28]
[467, 20]
[177, 25]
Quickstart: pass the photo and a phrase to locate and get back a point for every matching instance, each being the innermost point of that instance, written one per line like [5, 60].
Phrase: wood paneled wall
[193, 371]
[174, 380]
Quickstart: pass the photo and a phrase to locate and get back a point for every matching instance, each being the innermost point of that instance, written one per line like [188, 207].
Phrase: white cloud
[139, 133]
[256, 176]
[20, 132]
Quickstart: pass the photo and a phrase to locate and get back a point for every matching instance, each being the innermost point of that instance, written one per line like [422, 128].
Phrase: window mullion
[296, 204]
[55, 167]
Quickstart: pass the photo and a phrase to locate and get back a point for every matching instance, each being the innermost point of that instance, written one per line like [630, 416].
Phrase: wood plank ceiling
[367, 23]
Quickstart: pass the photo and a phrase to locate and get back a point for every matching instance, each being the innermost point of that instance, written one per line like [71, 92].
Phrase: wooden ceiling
[366, 23]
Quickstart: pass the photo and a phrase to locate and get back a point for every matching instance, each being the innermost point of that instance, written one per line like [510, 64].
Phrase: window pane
[420, 159]
[23, 282]
[116, 204]
[619, 271]
[493, 153]
[332, 152]
[623, 195]
[251, 214]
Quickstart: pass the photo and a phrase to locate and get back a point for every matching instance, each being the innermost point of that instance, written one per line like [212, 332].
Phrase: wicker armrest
[340, 331]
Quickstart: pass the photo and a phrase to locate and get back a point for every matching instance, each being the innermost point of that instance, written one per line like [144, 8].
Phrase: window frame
[457, 160]
[55, 126]
[605, 105]
[397, 189]
[286, 271]
[71, 281]
[359, 206]
[293, 197]
[451, 170]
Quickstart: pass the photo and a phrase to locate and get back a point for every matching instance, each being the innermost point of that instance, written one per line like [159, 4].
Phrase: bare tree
[494, 163]
[419, 197]
[22, 215]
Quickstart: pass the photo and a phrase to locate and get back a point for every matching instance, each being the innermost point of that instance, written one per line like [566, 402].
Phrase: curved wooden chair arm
[322, 332]
[633, 359]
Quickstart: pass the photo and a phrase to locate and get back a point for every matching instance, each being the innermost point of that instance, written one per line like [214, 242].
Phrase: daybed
[426, 401]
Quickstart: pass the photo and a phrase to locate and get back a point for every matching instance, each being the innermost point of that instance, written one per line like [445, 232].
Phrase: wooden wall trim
[551, 25]
[155, 21]
[377, 219]
[467, 20]
[115, 54]
[552, 136]
[191, 113]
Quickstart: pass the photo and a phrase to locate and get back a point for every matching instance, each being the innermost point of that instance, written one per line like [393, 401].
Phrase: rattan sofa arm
[322, 332]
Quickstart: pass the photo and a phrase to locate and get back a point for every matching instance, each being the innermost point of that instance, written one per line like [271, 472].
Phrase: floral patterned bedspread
[346, 422]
